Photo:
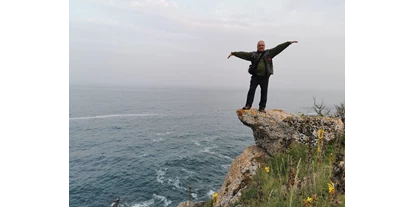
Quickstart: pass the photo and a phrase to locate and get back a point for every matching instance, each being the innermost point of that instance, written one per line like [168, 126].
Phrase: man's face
[260, 46]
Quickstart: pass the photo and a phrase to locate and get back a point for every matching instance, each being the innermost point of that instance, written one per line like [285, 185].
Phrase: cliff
[273, 132]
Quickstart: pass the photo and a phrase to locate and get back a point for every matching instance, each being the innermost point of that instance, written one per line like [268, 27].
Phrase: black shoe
[246, 108]
[262, 110]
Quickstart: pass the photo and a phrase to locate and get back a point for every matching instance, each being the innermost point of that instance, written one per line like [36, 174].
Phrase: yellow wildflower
[319, 149]
[320, 134]
[267, 169]
[214, 198]
[307, 201]
[331, 188]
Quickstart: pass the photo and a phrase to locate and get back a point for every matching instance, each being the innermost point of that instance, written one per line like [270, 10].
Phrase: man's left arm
[278, 49]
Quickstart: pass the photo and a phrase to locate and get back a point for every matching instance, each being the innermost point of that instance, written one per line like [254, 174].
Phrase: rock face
[276, 129]
[273, 131]
[240, 174]
[191, 204]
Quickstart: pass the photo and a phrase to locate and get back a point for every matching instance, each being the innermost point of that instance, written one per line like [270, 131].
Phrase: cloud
[236, 16]
[153, 3]
[167, 41]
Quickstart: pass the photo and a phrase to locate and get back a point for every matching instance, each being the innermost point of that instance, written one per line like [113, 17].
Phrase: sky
[186, 43]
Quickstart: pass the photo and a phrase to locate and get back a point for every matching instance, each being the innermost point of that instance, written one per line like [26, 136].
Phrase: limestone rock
[240, 174]
[191, 204]
[276, 129]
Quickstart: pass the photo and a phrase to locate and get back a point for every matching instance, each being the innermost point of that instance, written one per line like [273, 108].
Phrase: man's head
[260, 46]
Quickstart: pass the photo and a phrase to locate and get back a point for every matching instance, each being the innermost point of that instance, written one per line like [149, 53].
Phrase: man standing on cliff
[263, 69]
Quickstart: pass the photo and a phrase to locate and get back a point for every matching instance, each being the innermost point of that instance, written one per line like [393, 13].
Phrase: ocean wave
[176, 183]
[163, 199]
[158, 140]
[160, 175]
[207, 150]
[173, 182]
[225, 166]
[188, 171]
[156, 200]
[143, 155]
[196, 142]
[163, 133]
[194, 195]
[144, 203]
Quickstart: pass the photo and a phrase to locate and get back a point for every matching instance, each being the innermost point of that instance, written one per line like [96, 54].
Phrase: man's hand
[293, 41]
[230, 55]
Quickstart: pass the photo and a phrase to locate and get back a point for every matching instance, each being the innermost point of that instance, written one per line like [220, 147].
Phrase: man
[263, 70]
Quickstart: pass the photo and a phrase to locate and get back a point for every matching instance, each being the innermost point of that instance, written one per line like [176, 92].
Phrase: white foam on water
[173, 182]
[210, 139]
[210, 193]
[225, 166]
[160, 175]
[176, 183]
[188, 171]
[196, 143]
[189, 174]
[207, 150]
[163, 133]
[144, 204]
[224, 156]
[163, 199]
[194, 195]
[110, 116]
[143, 155]
[158, 140]
[151, 201]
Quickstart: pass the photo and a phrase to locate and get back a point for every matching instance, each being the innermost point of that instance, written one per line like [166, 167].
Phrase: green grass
[274, 189]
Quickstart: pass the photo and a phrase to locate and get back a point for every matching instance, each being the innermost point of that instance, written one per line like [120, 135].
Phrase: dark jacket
[269, 54]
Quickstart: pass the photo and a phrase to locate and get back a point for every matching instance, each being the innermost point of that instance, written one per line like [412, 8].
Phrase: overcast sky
[186, 42]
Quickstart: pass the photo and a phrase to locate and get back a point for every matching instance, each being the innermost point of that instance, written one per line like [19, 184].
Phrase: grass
[299, 177]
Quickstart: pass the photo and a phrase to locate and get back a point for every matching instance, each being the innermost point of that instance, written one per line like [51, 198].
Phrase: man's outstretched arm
[243, 55]
[278, 49]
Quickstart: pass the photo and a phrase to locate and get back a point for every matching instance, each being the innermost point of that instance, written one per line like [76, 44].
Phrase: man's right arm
[243, 55]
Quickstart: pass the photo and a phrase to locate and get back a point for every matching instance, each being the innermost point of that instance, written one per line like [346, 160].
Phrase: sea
[159, 146]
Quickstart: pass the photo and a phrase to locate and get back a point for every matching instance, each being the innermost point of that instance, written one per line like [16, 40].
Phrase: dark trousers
[264, 83]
